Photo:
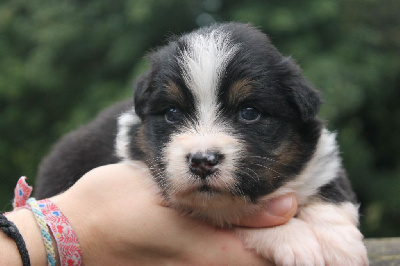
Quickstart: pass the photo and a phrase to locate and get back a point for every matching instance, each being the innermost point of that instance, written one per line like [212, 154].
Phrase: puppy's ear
[142, 92]
[306, 98]
[301, 92]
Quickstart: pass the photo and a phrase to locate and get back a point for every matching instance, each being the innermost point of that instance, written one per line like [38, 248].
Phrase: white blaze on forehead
[203, 64]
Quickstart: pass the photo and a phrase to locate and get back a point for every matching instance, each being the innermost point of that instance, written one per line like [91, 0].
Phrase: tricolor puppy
[225, 122]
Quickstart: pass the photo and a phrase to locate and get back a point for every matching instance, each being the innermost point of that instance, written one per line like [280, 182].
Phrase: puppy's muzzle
[204, 164]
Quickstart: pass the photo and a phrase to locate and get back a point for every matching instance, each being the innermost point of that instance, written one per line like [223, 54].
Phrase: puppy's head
[225, 119]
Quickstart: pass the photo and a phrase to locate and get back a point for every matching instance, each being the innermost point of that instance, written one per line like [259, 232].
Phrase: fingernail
[280, 206]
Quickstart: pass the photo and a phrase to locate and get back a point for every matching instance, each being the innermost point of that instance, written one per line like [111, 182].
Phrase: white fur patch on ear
[203, 65]
[319, 171]
[125, 122]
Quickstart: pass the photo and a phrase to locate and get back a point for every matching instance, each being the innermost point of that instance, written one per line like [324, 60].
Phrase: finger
[277, 212]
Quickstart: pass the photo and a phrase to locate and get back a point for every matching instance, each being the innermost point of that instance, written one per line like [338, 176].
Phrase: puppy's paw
[342, 245]
[340, 240]
[290, 244]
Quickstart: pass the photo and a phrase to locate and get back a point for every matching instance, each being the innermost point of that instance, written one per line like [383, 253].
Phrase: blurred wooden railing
[383, 251]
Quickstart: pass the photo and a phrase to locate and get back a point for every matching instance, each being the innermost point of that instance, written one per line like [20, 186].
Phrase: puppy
[225, 123]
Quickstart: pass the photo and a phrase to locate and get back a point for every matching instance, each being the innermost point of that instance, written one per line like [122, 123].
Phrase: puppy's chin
[212, 192]
[219, 206]
[206, 198]
[220, 209]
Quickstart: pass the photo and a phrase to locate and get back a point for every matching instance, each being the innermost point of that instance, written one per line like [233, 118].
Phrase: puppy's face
[225, 118]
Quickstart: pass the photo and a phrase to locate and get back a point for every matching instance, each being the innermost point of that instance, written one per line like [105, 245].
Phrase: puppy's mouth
[200, 189]
[207, 197]
[207, 189]
[203, 188]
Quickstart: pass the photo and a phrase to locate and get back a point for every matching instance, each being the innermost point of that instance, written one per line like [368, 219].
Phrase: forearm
[118, 218]
[26, 224]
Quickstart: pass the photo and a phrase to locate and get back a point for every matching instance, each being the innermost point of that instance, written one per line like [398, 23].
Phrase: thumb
[278, 211]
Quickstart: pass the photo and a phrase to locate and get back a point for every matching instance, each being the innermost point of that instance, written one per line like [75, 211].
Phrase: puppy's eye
[173, 115]
[249, 114]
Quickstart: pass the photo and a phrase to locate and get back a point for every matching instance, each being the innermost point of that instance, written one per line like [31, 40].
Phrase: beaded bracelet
[11, 231]
[22, 192]
[41, 221]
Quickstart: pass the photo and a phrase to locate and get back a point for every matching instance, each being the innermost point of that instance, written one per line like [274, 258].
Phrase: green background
[63, 61]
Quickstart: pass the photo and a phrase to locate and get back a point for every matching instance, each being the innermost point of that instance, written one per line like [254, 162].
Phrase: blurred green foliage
[63, 61]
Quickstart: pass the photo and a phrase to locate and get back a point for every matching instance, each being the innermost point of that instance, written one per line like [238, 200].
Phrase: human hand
[119, 219]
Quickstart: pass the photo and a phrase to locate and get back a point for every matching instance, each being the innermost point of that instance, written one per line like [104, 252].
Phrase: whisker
[271, 159]
[238, 189]
[272, 170]
[263, 158]
[249, 175]
[258, 178]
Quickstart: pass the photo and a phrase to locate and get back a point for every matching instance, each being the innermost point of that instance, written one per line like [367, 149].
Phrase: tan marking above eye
[239, 90]
[174, 92]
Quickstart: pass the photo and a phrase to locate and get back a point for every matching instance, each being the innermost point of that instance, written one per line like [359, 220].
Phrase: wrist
[85, 220]
[25, 221]
[93, 208]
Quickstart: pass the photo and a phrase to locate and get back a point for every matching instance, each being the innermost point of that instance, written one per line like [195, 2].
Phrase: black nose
[204, 164]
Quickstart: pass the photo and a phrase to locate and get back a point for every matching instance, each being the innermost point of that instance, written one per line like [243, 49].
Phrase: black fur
[287, 102]
[339, 190]
[80, 151]
[282, 147]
